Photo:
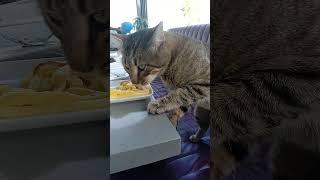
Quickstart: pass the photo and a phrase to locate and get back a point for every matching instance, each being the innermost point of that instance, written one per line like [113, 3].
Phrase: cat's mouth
[139, 82]
[142, 86]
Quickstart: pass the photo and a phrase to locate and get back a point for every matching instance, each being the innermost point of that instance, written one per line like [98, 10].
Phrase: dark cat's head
[144, 54]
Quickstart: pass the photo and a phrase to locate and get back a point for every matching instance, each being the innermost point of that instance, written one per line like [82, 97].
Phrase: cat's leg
[203, 118]
[179, 97]
[176, 114]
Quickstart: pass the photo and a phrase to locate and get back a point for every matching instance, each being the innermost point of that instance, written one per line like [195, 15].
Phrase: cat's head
[144, 54]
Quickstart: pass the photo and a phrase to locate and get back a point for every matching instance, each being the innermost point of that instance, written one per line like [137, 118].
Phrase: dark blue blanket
[193, 162]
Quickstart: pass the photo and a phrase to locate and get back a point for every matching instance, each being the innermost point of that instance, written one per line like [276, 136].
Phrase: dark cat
[82, 28]
[265, 78]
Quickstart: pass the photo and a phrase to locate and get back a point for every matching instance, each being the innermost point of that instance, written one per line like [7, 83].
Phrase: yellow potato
[127, 89]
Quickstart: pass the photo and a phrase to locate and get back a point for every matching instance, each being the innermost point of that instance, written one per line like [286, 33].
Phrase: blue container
[126, 27]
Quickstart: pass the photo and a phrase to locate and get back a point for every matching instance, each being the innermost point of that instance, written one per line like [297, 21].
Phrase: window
[122, 11]
[178, 13]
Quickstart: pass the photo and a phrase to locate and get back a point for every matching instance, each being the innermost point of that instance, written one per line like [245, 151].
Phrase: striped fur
[81, 27]
[266, 72]
[183, 63]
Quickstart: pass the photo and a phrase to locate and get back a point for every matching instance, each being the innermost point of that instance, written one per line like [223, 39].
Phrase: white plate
[134, 98]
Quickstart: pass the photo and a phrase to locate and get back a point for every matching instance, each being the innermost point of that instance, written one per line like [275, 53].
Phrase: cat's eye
[142, 67]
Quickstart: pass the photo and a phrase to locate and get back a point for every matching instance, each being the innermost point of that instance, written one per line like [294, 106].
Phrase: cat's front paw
[155, 107]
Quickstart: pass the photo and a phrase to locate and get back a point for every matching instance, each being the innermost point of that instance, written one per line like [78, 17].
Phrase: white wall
[170, 13]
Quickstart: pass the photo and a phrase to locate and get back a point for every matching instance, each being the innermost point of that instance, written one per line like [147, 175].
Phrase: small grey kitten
[183, 64]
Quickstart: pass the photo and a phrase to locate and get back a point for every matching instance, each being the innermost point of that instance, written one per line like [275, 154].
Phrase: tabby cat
[265, 79]
[183, 63]
[81, 25]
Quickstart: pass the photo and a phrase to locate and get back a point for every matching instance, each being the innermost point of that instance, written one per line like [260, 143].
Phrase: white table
[138, 138]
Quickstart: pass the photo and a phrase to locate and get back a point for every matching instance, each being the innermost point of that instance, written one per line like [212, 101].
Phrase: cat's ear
[117, 40]
[158, 35]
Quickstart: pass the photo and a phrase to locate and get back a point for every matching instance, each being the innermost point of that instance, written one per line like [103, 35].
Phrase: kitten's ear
[158, 35]
[117, 40]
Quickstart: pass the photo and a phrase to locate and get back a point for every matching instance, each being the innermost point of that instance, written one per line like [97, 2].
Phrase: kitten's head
[144, 55]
